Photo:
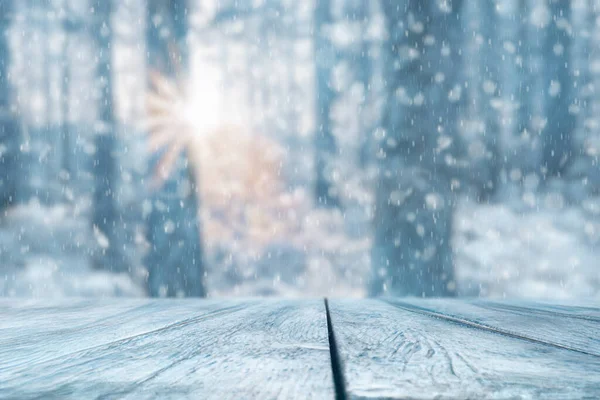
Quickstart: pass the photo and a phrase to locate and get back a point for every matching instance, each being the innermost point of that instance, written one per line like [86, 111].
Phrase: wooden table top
[297, 349]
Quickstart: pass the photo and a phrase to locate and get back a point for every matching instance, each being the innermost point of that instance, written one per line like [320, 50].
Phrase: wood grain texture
[577, 310]
[172, 349]
[560, 326]
[37, 332]
[390, 352]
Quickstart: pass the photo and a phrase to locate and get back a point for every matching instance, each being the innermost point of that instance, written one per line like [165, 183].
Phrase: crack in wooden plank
[339, 384]
[533, 310]
[484, 327]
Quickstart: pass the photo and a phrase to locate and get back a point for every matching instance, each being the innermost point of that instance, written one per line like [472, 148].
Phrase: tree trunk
[51, 133]
[364, 73]
[325, 145]
[9, 127]
[414, 205]
[490, 86]
[105, 214]
[558, 132]
[175, 261]
[66, 145]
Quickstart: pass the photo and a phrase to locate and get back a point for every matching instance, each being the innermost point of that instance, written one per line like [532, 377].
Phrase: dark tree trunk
[364, 66]
[9, 127]
[105, 215]
[325, 145]
[557, 135]
[414, 204]
[66, 145]
[491, 85]
[51, 133]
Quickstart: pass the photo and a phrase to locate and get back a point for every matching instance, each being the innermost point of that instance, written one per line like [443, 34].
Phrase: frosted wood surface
[389, 352]
[572, 327]
[39, 331]
[166, 349]
[589, 311]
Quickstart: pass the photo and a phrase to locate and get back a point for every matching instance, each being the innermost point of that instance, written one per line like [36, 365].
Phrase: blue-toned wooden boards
[194, 349]
[409, 349]
[282, 349]
[573, 327]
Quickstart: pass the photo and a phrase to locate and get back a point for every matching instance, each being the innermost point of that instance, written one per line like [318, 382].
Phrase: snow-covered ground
[546, 253]
[551, 253]
[46, 252]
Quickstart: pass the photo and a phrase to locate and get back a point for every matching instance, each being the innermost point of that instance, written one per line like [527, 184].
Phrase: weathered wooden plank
[38, 333]
[389, 352]
[254, 349]
[568, 327]
[577, 310]
[19, 314]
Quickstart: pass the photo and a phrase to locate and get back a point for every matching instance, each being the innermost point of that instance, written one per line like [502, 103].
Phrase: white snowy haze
[300, 148]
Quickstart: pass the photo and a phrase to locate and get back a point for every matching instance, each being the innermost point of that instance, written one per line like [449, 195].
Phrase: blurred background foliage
[299, 148]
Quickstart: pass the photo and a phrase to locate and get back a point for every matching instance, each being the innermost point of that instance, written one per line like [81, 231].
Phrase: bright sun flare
[179, 113]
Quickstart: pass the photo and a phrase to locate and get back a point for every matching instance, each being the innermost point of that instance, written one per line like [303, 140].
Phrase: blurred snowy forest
[300, 148]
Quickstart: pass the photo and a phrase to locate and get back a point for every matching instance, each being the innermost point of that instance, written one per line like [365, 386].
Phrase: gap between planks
[337, 371]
